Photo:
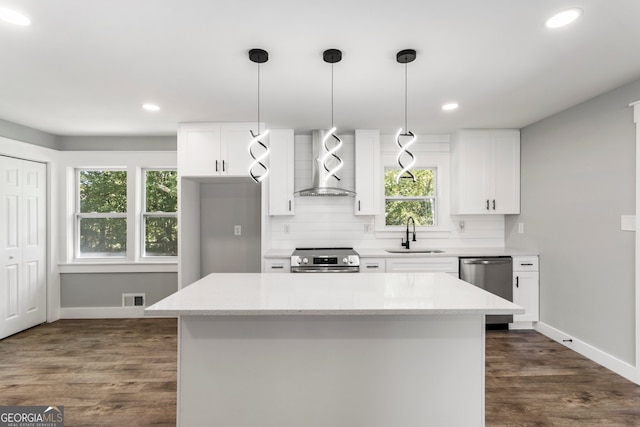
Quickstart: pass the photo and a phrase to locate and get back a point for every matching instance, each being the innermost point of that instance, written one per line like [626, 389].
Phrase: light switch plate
[628, 222]
[237, 230]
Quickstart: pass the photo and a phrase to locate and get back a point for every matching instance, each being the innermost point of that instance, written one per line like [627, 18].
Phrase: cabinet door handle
[277, 267]
[289, 205]
[223, 168]
[517, 281]
[216, 166]
[526, 263]
[487, 204]
[494, 204]
[359, 206]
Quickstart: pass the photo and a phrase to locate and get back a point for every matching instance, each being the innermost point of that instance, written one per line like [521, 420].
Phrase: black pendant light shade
[405, 158]
[258, 149]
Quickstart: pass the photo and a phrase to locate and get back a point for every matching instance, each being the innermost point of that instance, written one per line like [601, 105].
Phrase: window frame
[78, 216]
[436, 203]
[144, 214]
[64, 177]
[435, 157]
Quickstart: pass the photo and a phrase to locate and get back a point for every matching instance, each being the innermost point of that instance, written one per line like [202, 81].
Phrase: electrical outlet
[521, 227]
[237, 230]
[286, 229]
[461, 226]
[368, 228]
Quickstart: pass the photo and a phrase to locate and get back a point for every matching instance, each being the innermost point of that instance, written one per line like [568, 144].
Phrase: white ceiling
[85, 67]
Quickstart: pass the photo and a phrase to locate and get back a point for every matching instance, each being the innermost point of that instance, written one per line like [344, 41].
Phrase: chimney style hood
[322, 178]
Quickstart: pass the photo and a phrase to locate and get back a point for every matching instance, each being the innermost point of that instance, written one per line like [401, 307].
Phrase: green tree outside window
[102, 208]
[410, 199]
[160, 220]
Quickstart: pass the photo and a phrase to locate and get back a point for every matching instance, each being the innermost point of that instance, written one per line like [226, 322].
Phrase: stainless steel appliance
[493, 274]
[325, 260]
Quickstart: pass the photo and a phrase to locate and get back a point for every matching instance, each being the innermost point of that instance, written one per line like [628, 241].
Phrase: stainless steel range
[325, 260]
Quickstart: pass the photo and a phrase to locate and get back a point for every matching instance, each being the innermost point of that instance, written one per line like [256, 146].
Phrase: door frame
[50, 157]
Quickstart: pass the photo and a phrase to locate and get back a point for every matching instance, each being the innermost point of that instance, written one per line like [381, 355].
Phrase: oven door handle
[326, 270]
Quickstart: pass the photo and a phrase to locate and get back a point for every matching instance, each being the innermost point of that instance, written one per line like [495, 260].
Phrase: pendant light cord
[332, 95]
[406, 126]
[258, 98]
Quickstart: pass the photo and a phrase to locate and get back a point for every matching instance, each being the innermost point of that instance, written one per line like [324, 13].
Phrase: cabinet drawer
[373, 265]
[525, 263]
[277, 266]
[431, 264]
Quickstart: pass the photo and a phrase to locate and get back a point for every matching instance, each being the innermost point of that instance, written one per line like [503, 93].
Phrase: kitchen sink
[414, 251]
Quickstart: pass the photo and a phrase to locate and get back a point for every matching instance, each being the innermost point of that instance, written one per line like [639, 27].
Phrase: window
[101, 213]
[410, 199]
[160, 217]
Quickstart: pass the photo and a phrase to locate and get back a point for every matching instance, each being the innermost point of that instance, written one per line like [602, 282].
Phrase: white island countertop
[331, 294]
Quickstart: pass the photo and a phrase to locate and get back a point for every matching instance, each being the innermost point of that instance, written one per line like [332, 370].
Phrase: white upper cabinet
[485, 172]
[280, 179]
[214, 149]
[367, 172]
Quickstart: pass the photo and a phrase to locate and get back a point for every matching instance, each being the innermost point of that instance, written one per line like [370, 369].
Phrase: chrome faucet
[405, 244]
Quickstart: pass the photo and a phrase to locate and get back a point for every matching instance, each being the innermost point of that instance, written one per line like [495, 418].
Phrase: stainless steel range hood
[324, 184]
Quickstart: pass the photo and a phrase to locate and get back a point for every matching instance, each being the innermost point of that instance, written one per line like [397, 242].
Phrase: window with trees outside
[101, 213]
[104, 228]
[410, 199]
[160, 213]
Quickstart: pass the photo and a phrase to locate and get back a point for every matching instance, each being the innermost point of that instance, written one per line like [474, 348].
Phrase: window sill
[118, 267]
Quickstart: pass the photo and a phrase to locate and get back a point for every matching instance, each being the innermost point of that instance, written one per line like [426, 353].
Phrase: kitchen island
[371, 350]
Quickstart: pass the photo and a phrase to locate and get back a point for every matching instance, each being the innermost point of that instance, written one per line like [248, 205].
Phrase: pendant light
[257, 169]
[332, 56]
[404, 57]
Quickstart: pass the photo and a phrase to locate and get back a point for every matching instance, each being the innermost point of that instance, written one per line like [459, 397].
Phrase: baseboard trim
[616, 365]
[101, 312]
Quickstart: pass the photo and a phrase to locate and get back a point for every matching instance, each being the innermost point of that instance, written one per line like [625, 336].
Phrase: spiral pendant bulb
[331, 153]
[257, 169]
[404, 153]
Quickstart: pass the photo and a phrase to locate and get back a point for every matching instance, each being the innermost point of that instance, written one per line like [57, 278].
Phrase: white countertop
[450, 252]
[330, 294]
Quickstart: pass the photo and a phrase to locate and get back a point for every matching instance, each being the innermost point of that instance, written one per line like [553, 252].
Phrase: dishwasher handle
[486, 261]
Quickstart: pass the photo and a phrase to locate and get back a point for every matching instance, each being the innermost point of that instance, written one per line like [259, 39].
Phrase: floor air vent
[133, 300]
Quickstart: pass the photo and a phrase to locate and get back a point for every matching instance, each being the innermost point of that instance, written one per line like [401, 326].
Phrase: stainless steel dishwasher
[493, 274]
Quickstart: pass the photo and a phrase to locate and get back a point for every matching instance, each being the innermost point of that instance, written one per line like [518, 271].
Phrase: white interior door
[23, 291]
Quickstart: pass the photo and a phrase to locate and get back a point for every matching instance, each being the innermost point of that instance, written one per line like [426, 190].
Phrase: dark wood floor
[122, 372]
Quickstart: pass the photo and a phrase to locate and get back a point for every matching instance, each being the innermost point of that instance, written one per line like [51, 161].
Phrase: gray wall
[106, 289]
[223, 205]
[26, 134]
[578, 178]
[118, 143]
[33, 136]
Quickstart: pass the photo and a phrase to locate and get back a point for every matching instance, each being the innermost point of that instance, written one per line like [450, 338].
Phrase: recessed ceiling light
[13, 17]
[563, 18]
[450, 106]
[151, 107]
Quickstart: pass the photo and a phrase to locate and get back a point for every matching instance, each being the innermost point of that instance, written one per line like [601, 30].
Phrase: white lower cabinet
[526, 288]
[373, 265]
[423, 264]
[277, 265]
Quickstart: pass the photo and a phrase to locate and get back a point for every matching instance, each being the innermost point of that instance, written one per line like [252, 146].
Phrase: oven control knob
[345, 260]
[305, 260]
[298, 260]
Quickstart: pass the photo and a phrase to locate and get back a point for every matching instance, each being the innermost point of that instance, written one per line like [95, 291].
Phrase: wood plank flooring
[122, 372]
[115, 372]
